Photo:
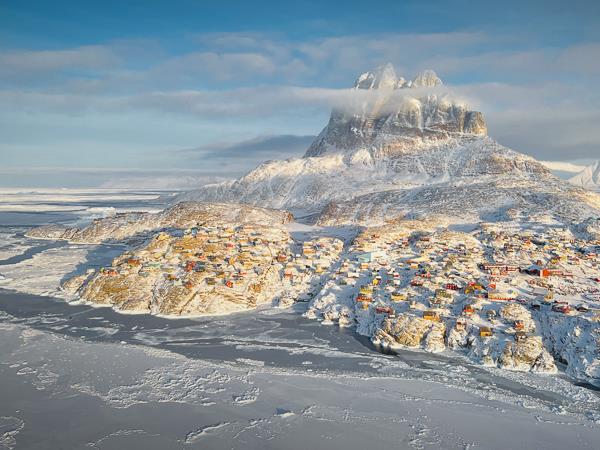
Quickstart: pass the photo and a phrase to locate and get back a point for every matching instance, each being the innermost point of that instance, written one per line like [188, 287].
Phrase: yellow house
[485, 332]
[366, 290]
[398, 297]
[431, 315]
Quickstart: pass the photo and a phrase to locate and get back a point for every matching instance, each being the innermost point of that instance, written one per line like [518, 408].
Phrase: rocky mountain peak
[396, 110]
[384, 77]
[398, 148]
[427, 78]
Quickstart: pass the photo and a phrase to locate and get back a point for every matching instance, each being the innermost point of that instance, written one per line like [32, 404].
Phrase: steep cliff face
[405, 148]
[395, 108]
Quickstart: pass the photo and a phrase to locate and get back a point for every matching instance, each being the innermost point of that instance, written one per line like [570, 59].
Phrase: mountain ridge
[406, 149]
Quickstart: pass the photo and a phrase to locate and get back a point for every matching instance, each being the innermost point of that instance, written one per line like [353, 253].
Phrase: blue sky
[109, 93]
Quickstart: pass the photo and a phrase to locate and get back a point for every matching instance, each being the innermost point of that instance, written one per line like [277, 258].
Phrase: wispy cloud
[563, 166]
[261, 147]
[540, 100]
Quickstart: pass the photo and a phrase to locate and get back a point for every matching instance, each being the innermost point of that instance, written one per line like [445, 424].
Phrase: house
[431, 315]
[384, 310]
[112, 272]
[398, 296]
[364, 298]
[366, 290]
[365, 257]
[370, 256]
[133, 262]
[561, 307]
[520, 336]
[460, 325]
[485, 332]
[468, 310]
[545, 273]
[442, 294]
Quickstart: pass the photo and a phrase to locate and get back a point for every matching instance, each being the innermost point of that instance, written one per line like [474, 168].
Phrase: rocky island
[457, 243]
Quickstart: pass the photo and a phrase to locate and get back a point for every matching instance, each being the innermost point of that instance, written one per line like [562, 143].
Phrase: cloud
[542, 101]
[237, 157]
[543, 64]
[261, 101]
[549, 120]
[17, 65]
[174, 182]
[563, 166]
[218, 66]
[241, 59]
[258, 148]
[110, 177]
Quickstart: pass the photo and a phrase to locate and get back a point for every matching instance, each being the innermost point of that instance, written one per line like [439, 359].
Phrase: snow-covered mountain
[588, 178]
[405, 148]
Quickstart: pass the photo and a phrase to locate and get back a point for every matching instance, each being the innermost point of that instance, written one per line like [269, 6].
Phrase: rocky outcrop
[458, 338]
[411, 332]
[514, 312]
[220, 270]
[527, 354]
[575, 342]
[52, 232]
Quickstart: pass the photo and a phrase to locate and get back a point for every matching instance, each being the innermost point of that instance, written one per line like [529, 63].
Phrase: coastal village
[209, 269]
[503, 294]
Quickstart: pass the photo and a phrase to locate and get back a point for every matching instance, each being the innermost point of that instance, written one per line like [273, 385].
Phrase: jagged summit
[384, 77]
[427, 78]
[395, 110]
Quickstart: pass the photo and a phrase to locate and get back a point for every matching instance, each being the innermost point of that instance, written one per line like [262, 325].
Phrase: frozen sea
[73, 376]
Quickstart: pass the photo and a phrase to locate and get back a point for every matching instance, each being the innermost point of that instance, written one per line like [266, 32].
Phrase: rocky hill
[406, 148]
[182, 215]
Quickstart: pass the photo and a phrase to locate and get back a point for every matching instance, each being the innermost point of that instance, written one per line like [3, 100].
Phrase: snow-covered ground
[257, 380]
[588, 178]
[112, 381]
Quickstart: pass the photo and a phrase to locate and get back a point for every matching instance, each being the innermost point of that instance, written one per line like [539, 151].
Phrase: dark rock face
[393, 108]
